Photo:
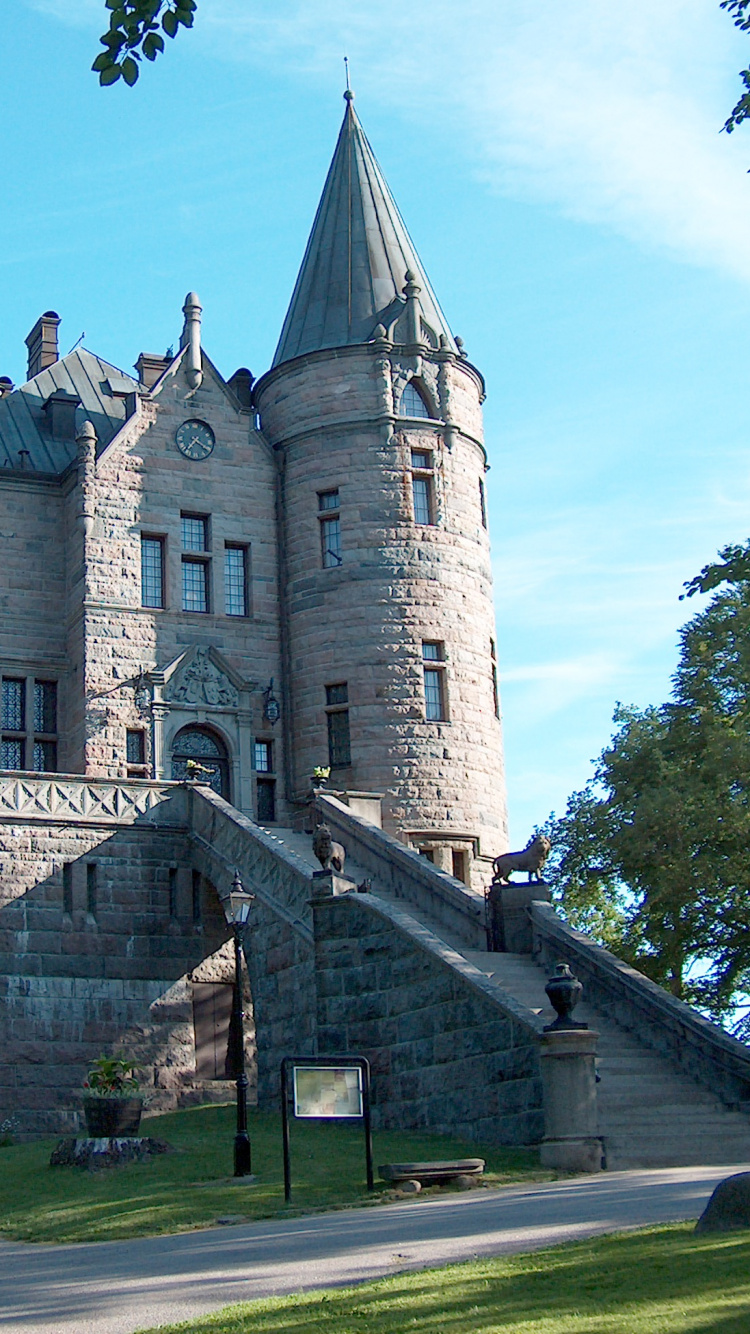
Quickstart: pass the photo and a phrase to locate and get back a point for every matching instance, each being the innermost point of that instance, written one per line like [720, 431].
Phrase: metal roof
[24, 426]
[353, 273]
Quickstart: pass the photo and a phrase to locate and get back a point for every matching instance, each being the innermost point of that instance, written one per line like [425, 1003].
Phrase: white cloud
[611, 113]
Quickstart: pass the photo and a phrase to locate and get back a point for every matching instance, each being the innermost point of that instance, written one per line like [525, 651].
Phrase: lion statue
[532, 859]
[330, 855]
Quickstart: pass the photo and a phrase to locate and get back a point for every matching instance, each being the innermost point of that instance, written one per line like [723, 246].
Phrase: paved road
[118, 1287]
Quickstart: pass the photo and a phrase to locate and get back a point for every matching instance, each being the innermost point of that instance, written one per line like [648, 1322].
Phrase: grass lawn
[193, 1187]
[660, 1281]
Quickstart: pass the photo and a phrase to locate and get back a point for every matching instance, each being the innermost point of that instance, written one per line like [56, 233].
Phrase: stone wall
[101, 924]
[278, 941]
[331, 416]
[449, 1050]
[403, 873]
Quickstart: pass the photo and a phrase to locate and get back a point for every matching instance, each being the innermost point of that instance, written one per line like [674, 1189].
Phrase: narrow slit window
[337, 713]
[482, 503]
[434, 680]
[422, 486]
[495, 690]
[152, 571]
[91, 888]
[330, 529]
[235, 580]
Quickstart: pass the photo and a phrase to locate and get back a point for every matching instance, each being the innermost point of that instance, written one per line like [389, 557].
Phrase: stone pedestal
[509, 923]
[569, 1088]
[327, 884]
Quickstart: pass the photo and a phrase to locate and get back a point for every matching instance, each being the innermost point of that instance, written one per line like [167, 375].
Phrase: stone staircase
[651, 1114]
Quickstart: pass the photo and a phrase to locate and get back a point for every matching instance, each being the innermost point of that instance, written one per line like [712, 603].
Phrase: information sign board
[325, 1088]
[335, 1091]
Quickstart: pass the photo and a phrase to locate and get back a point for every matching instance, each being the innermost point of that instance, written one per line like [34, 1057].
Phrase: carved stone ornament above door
[200, 681]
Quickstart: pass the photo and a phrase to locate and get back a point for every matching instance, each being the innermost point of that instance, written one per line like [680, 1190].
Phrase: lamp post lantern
[238, 913]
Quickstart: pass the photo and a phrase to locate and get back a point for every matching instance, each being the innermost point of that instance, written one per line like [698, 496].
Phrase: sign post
[325, 1088]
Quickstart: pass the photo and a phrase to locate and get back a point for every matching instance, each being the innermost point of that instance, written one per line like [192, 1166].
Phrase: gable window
[411, 403]
[152, 571]
[337, 715]
[422, 486]
[235, 579]
[433, 666]
[196, 569]
[28, 724]
[330, 528]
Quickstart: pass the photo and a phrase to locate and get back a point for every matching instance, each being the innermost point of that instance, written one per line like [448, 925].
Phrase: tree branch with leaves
[135, 31]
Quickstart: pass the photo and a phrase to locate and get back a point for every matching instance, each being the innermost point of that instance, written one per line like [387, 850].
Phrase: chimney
[6, 385]
[42, 343]
[242, 385]
[60, 408]
[151, 367]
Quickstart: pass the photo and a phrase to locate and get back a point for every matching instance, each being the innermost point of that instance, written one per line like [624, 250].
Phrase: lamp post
[240, 903]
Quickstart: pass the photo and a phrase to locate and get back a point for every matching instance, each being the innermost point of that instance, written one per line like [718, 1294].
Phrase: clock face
[195, 439]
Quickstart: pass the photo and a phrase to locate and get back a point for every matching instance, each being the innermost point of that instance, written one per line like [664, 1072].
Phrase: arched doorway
[197, 743]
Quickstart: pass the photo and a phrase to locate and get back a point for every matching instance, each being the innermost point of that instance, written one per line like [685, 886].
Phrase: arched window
[412, 403]
[195, 743]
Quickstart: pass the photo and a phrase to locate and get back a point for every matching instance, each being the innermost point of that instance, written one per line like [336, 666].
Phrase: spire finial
[348, 95]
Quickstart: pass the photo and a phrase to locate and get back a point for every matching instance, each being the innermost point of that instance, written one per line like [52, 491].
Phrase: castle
[248, 581]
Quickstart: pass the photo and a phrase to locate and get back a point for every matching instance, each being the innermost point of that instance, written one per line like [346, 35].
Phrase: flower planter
[112, 1118]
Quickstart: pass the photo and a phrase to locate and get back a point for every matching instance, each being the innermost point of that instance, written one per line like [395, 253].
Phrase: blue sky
[582, 220]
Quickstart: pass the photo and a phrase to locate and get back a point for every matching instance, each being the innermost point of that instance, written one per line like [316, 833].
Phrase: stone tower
[387, 615]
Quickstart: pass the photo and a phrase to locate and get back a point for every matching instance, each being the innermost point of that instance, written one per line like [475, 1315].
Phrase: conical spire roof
[354, 271]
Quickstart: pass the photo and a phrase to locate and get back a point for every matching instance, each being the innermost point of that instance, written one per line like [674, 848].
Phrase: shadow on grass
[193, 1186]
[663, 1281]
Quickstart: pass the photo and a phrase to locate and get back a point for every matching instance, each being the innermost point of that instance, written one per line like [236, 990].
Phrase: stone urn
[112, 1118]
[564, 991]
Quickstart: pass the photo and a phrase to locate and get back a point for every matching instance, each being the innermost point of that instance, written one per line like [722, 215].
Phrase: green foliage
[112, 1077]
[738, 9]
[192, 1187]
[732, 567]
[657, 1281]
[652, 856]
[135, 28]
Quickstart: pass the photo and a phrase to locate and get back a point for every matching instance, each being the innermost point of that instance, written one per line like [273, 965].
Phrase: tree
[135, 28]
[652, 856]
[739, 12]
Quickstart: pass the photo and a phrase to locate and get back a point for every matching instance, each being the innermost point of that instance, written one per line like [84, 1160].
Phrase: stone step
[651, 1113]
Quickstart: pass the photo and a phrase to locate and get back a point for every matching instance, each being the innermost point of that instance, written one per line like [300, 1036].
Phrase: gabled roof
[353, 273]
[24, 426]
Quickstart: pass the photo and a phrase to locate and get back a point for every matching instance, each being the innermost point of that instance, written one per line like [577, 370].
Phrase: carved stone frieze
[200, 681]
[66, 798]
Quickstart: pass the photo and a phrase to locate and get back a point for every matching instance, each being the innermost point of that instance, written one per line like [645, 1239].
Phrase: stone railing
[662, 1022]
[55, 798]
[401, 872]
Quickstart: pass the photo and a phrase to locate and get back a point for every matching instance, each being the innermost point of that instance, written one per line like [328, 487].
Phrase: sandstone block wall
[87, 966]
[399, 584]
[447, 1052]
[278, 940]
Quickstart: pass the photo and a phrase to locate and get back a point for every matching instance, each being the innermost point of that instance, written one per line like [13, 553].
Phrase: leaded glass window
[434, 681]
[152, 571]
[194, 532]
[45, 706]
[13, 705]
[11, 753]
[194, 743]
[339, 742]
[235, 580]
[194, 585]
[412, 404]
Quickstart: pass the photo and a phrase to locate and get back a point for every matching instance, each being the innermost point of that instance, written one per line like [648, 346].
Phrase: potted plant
[320, 775]
[112, 1104]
